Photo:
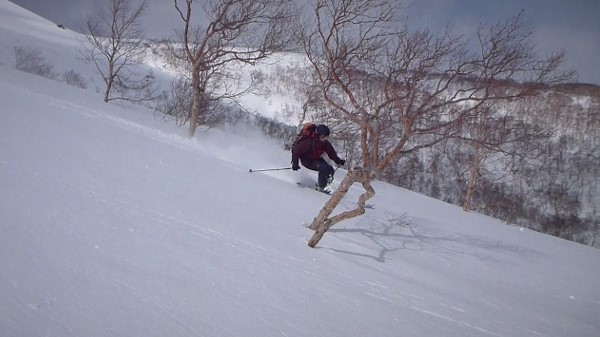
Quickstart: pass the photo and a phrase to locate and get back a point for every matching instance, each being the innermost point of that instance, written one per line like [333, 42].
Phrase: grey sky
[573, 25]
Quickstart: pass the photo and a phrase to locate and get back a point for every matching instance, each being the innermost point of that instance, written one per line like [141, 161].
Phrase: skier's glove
[295, 167]
[341, 162]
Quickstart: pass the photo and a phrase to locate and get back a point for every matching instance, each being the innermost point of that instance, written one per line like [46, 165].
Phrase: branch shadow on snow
[401, 233]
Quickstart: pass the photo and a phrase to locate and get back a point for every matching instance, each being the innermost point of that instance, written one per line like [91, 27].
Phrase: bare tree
[408, 90]
[500, 137]
[31, 60]
[237, 31]
[115, 45]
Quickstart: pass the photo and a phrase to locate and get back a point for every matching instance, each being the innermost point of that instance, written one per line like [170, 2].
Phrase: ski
[316, 188]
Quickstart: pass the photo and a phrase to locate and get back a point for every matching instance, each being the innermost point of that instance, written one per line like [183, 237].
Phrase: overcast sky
[573, 25]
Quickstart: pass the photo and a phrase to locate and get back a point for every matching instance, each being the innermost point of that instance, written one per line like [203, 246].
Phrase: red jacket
[311, 148]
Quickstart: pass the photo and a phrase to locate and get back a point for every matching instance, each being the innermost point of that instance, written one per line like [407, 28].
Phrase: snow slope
[115, 224]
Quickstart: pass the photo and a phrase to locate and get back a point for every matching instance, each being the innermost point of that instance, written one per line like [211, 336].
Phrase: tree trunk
[196, 102]
[473, 176]
[322, 222]
[470, 189]
[109, 82]
[107, 91]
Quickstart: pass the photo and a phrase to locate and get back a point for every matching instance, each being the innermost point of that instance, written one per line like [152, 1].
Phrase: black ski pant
[325, 170]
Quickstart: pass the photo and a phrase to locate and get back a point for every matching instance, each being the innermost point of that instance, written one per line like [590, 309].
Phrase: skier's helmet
[322, 130]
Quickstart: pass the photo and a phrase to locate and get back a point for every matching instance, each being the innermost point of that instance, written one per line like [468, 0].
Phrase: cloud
[161, 20]
[580, 46]
[572, 25]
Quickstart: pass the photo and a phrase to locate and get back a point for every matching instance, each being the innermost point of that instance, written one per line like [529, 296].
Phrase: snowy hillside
[115, 224]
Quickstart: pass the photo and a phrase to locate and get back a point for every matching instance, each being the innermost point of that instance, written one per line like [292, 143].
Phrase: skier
[309, 148]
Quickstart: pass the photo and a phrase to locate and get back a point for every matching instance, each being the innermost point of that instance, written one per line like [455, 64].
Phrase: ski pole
[269, 169]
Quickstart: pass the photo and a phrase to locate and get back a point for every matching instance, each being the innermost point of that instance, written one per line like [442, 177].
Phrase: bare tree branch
[405, 90]
[237, 31]
[115, 43]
